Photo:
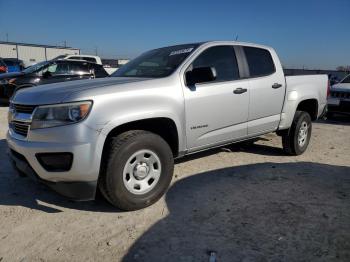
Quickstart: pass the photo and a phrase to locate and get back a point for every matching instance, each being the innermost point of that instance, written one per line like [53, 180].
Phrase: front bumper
[79, 182]
[85, 190]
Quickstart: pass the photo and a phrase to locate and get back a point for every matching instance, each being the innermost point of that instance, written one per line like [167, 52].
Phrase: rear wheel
[138, 170]
[296, 140]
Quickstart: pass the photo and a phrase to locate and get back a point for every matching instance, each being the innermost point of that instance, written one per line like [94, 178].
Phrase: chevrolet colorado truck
[121, 134]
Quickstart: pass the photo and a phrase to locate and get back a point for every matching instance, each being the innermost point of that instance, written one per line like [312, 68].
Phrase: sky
[305, 33]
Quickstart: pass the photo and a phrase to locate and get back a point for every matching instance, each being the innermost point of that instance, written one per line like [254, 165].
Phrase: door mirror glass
[200, 75]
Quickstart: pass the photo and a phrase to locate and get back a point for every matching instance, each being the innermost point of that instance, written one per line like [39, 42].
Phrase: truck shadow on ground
[259, 212]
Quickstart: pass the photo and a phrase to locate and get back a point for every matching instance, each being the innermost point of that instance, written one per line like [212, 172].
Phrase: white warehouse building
[32, 53]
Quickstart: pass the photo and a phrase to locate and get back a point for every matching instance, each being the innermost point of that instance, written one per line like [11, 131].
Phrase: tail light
[328, 88]
[3, 69]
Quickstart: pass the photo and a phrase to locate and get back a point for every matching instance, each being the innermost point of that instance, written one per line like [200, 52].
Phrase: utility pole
[96, 51]
[65, 43]
[7, 37]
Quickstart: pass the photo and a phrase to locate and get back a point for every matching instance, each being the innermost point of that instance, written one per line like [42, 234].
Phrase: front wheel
[296, 140]
[138, 171]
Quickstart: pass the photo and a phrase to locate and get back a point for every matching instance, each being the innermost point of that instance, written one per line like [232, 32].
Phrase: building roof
[38, 45]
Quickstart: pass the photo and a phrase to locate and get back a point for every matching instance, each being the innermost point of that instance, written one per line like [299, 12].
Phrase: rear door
[215, 112]
[267, 90]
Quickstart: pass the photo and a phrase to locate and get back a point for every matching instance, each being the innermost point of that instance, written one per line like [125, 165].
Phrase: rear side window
[99, 70]
[75, 58]
[259, 61]
[89, 59]
[223, 59]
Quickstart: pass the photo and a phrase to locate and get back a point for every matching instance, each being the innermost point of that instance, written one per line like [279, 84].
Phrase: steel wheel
[141, 172]
[303, 133]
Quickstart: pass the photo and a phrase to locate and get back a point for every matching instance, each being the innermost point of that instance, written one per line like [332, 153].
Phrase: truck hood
[56, 93]
[345, 87]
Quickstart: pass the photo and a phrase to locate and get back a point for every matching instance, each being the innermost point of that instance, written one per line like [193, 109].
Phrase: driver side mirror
[200, 75]
[47, 74]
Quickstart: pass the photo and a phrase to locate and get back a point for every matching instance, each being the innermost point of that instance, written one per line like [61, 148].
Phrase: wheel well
[310, 106]
[164, 127]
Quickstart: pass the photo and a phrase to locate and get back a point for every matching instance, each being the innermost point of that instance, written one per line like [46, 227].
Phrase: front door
[216, 111]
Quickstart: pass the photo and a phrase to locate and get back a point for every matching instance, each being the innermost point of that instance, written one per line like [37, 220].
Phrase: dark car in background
[3, 67]
[47, 73]
[13, 64]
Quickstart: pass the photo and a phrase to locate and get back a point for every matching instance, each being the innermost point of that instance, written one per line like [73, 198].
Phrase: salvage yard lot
[244, 202]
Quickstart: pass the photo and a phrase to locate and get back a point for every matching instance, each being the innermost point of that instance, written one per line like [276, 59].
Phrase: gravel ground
[241, 203]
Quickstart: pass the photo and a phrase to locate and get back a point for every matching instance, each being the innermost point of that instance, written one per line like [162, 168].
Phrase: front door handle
[240, 90]
[276, 85]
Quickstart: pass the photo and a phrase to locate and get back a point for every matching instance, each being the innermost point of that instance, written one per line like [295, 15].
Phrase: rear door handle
[276, 85]
[240, 90]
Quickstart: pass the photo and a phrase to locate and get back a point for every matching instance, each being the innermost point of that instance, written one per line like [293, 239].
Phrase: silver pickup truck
[121, 134]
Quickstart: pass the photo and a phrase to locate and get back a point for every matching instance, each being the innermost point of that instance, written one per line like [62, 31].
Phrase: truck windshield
[156, 63]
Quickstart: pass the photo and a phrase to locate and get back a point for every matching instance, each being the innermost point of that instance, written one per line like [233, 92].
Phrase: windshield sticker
[182, 51]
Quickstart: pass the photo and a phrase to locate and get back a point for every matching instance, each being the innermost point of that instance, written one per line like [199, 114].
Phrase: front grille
[20, 128]
[338, 94]
[21, 118]
[27, 109]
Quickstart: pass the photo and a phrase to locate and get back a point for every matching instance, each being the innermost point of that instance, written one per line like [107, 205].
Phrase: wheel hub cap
[142, 172]
[303, 133]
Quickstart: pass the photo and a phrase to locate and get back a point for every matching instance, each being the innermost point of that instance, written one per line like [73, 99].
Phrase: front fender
[106, 128]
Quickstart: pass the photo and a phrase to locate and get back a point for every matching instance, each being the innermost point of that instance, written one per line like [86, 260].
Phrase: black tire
[330, 115]
[122, 147]
[290, 137]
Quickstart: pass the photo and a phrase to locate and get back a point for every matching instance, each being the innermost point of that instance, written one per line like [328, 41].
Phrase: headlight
[60, 114]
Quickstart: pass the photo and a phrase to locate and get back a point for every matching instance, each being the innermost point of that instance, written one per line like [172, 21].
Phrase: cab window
[223, 59]
[260, 61]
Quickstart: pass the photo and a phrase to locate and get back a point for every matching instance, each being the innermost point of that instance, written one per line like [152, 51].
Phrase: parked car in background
[47, 73]
[88, 58]
[93, 59]
[339, 100]
[13, 65]
[122, 133]
[3, 67]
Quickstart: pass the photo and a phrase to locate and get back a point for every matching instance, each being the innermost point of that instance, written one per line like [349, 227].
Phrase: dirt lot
[246, 203]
